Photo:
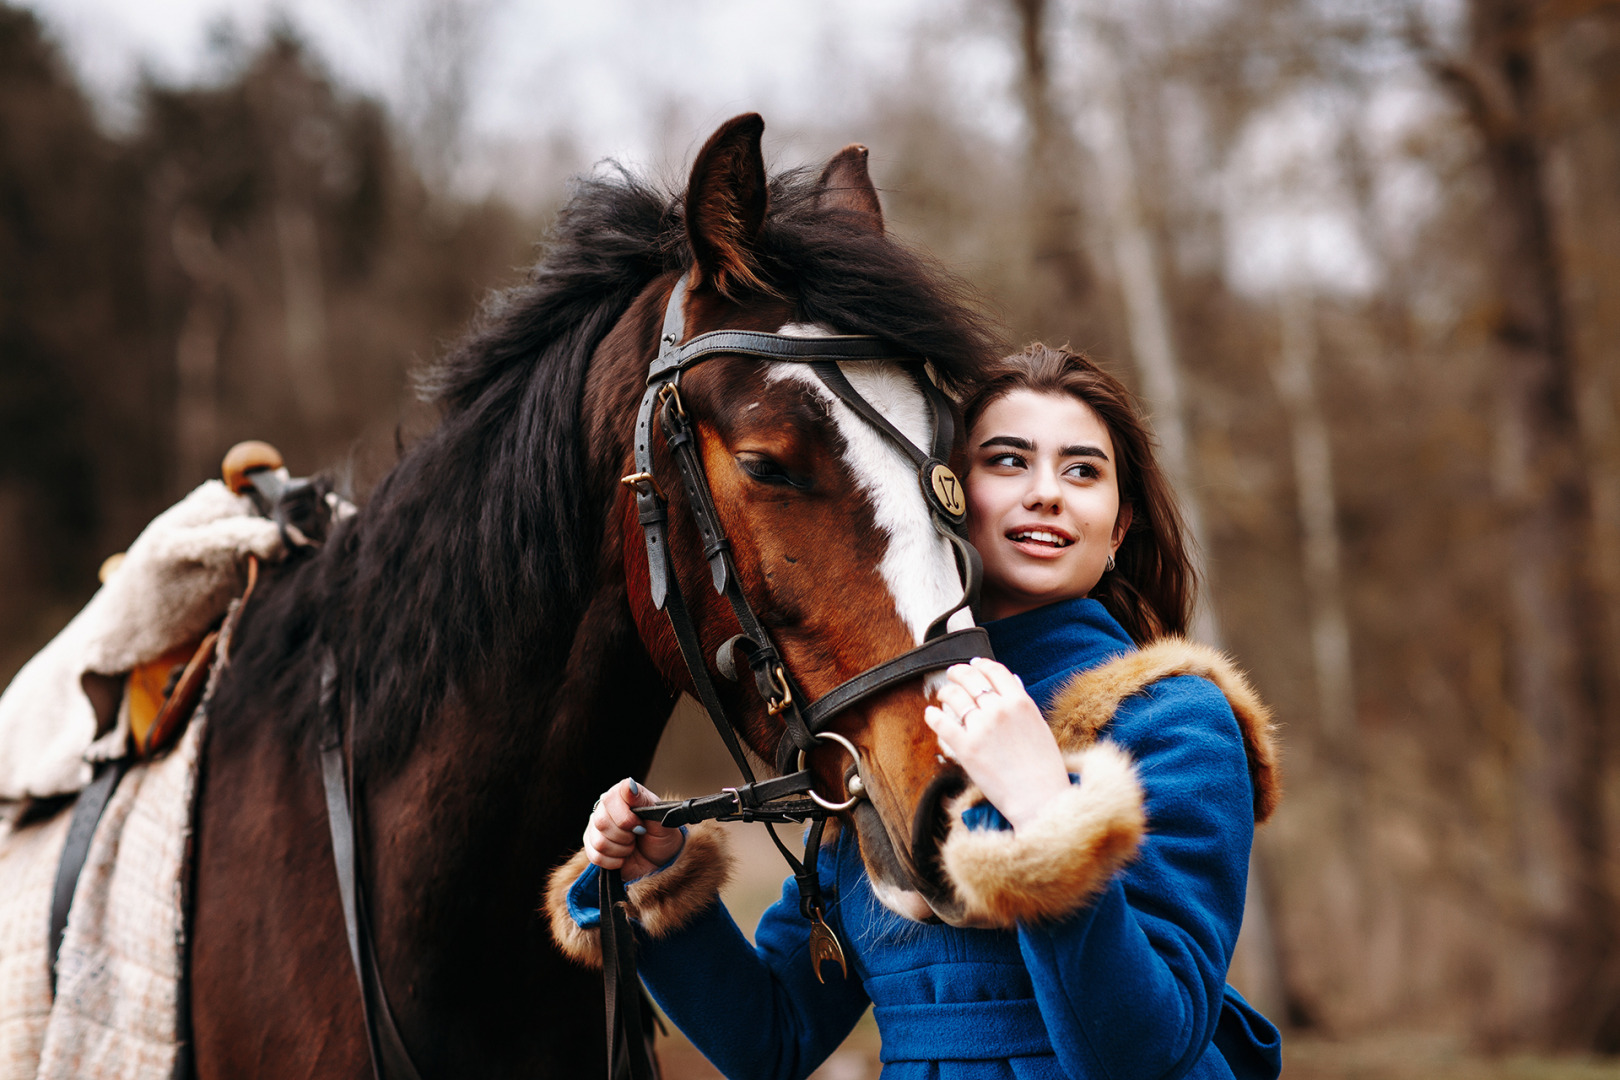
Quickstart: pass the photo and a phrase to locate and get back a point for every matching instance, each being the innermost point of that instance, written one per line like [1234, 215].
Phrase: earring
[1109, 565]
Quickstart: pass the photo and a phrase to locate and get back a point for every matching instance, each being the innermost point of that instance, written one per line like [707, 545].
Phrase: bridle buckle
[635, 480]
[777, 705]
[670, 393]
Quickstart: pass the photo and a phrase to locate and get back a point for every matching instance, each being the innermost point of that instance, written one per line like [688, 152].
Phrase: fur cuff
[661, 903]
[1089, 701]
[1058, 863]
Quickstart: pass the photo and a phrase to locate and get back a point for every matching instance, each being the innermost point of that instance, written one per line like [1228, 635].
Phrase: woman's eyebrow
[1016, 442]
[1012, 441]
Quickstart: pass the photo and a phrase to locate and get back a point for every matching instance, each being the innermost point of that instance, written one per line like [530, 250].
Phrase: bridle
[790, 797]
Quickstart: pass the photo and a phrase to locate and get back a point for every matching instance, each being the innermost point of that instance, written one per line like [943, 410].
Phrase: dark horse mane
[483, 544]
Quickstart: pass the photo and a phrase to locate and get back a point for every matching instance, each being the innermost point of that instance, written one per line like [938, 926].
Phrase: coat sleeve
[755, 1011]
[1133, 984]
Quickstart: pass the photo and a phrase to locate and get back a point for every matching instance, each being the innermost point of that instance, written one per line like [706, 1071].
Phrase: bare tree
[441, 52]
[1293, 372]
[1059, 266]
[1555, 606]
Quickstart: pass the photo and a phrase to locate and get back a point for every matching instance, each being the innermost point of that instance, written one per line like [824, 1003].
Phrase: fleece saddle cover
[176, 580]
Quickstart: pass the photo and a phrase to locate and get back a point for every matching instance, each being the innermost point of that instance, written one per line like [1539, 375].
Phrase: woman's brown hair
[1152, 589]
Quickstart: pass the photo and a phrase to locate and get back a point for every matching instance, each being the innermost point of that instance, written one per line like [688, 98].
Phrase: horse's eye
[766, 471]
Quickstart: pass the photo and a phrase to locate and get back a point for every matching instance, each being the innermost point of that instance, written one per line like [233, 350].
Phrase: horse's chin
[904, 902]
[913, 887]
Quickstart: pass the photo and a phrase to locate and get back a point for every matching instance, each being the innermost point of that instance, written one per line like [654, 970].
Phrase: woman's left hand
[988, 723]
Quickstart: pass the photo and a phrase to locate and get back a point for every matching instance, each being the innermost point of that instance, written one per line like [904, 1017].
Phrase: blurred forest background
[1360, 258]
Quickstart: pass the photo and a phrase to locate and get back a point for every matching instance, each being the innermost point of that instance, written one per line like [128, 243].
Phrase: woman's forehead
[1050, 422]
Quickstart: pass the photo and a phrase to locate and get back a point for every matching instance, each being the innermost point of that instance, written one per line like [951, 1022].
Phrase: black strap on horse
[771, 801]
[87, 813]
[389, 1057]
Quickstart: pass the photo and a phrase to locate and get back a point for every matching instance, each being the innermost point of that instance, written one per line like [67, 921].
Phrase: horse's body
[498, 662]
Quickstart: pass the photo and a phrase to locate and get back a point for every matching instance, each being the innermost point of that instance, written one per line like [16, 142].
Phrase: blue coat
[1129, 981]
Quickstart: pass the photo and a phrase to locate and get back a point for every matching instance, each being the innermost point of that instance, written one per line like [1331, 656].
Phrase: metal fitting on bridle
[856, 788]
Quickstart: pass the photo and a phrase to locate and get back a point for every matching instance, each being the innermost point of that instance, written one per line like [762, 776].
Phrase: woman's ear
[1122, 525]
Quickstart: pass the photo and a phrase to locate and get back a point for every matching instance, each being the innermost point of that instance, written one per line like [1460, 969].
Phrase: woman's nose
[1044, 489]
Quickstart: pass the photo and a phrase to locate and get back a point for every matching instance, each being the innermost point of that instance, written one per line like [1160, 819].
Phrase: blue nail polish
[640, 830]
[635, 788]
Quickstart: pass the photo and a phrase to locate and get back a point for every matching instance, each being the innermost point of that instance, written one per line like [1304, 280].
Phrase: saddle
[118, 686]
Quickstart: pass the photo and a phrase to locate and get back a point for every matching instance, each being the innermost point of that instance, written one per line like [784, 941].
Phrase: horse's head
[832, 541]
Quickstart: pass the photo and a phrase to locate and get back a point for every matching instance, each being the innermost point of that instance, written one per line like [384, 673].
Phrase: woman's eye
[1082, 470]
[1006, 461]
[766, 471]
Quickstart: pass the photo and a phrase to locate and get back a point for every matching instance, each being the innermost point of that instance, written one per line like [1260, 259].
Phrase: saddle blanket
[116, 1014]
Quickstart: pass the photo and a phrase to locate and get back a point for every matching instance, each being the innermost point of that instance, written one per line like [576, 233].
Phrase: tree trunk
[1556, 613]
[1060, 271]
[196, 421]
[1294, 375]
[304, 312]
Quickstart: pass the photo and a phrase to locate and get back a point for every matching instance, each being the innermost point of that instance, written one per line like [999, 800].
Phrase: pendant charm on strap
[824, 946]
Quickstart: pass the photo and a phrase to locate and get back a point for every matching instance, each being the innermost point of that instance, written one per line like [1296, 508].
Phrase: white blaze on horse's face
[918, 565]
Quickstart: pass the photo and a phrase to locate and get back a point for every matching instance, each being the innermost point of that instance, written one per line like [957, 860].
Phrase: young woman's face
[1043, 500]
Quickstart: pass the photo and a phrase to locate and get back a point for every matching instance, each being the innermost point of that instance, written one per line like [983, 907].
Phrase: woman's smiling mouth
[1040, 541]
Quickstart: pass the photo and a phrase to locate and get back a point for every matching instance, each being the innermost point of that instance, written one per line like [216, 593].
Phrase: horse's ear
[725, 207]
[846, 185]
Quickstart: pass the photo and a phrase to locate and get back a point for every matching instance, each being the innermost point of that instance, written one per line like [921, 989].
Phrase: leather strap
[389, 1056]
[763, 345]
[758, 800]
[81, 830]
[630, 1047]
[954, 648]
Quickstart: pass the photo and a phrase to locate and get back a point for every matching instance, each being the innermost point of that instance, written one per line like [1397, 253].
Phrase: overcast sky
[607, 74]
[554, 85]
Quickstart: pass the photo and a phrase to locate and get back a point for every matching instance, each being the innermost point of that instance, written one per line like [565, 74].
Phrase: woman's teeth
[1040, 536]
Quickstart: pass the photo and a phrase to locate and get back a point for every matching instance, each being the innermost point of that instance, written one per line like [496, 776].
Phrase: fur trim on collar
[662, 902]
[1084, 706]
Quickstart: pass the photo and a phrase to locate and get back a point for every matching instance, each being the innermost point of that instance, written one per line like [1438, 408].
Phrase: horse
[486, 626]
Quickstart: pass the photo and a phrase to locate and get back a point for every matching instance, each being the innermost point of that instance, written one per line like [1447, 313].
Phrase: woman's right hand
[616, 839]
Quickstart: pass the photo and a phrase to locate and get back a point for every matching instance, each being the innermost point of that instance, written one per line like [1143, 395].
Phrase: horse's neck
[461, 837]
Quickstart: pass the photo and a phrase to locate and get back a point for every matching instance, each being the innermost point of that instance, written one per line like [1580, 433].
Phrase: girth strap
[389, 1057]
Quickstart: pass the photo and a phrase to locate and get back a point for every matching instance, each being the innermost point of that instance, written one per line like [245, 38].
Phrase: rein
[779, 799]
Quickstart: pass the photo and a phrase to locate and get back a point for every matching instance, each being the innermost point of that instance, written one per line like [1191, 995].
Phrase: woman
[1081, 971]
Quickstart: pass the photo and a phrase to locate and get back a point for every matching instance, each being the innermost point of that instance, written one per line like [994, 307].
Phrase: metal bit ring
[853, 753]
